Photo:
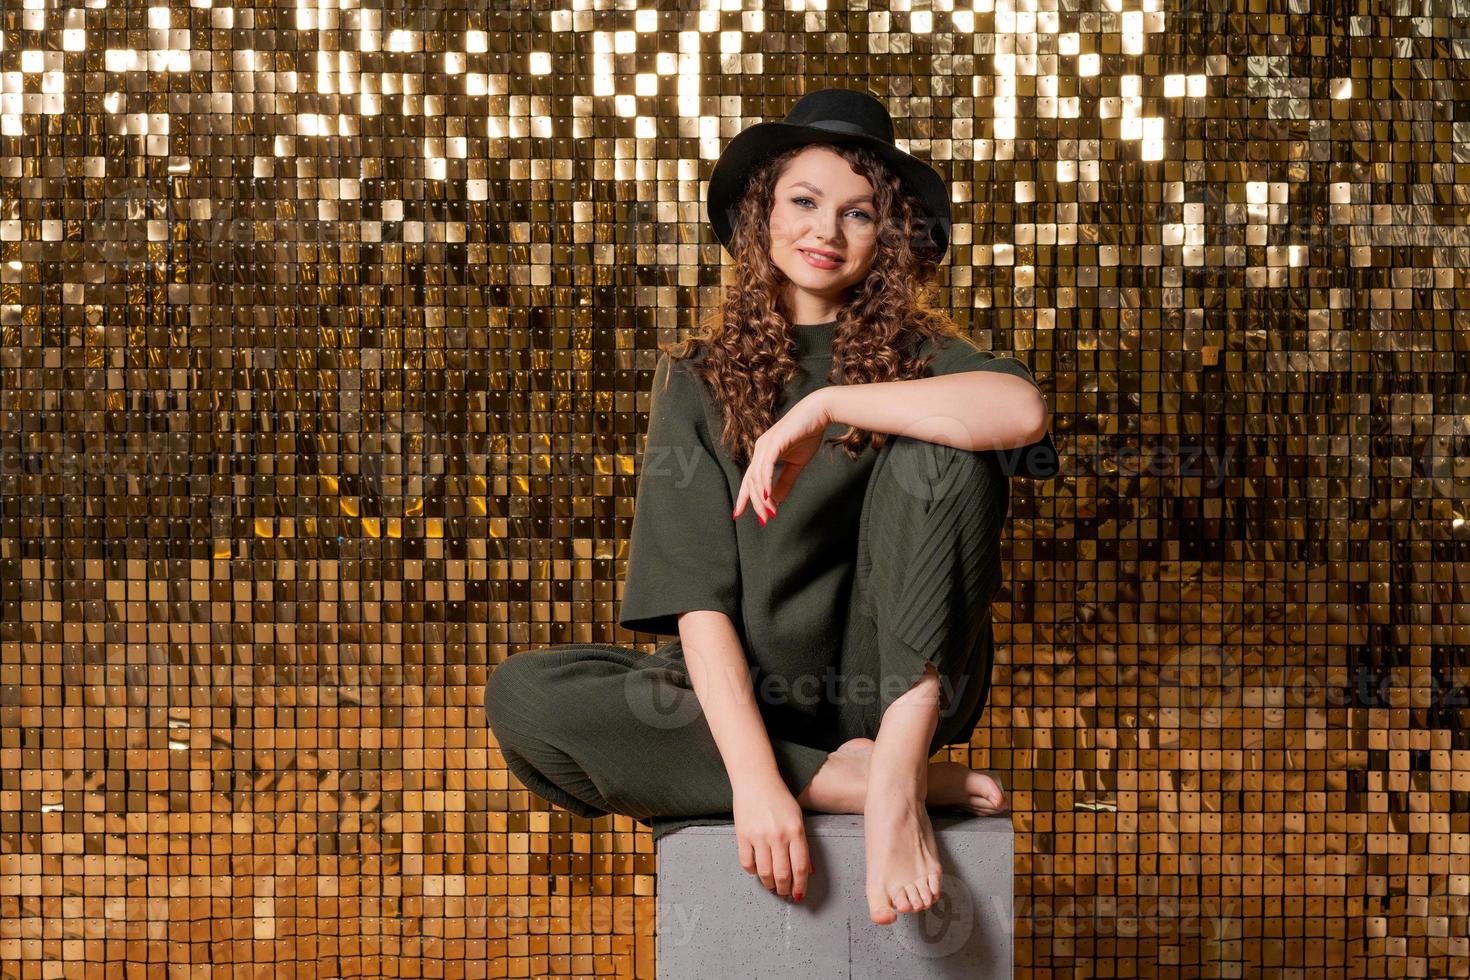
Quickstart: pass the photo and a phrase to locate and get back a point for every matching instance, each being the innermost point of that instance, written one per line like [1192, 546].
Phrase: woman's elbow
[1038, 421]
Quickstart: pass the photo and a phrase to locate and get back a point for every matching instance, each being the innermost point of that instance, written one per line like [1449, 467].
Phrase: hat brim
[755, 144]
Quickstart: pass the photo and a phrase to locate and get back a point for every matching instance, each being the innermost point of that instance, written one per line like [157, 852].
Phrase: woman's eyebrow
[816, 190]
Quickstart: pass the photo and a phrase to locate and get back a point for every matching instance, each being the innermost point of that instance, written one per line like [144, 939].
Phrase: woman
[820, 657]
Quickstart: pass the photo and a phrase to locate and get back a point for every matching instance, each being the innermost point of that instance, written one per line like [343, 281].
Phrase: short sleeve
[683, 553]
[955, 355]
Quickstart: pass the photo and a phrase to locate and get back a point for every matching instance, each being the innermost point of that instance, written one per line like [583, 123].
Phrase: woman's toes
[880, 907]
[995, 795]
[987, 794]
[899, 898]
[918, 901]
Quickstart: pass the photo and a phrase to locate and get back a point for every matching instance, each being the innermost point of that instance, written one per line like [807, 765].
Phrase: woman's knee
[516, 690]
[932, 471]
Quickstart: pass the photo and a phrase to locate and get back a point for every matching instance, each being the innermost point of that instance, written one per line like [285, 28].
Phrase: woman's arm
[971, 410]
[721, 679]
[769, 827]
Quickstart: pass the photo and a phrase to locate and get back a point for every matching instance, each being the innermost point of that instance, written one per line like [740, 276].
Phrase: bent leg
[928, 565]
[597, 728]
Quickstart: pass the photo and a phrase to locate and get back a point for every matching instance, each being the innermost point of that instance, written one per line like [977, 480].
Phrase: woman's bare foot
[953, 784]
[841, 784]
[904, 872]
[903, 862]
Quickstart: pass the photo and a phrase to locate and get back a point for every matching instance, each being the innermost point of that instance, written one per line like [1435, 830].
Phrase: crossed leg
[903, 864]
[841, 785]
[900, 841]
[928, 566]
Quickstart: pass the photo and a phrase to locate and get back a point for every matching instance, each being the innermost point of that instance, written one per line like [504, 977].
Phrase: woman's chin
[824, 286]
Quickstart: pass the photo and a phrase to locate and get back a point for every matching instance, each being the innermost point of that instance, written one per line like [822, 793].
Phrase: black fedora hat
[837, 116]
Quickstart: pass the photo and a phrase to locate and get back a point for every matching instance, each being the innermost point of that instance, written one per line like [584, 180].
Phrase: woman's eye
[857, 211]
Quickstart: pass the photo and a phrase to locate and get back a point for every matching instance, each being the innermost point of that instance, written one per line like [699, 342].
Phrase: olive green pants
[597, 728]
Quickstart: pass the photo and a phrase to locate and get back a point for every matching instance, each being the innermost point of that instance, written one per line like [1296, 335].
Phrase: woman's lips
[819, 261]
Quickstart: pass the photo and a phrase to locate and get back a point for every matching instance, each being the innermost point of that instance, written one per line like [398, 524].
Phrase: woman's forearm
[971, 410]
[721, 680]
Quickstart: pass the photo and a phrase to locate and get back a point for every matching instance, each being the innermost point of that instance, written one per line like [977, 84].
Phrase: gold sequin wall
[328, 331]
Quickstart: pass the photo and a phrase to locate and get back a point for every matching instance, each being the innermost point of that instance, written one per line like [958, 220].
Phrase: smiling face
[823, 232]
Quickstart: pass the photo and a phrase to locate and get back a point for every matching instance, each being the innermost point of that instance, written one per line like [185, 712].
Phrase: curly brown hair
[749, 354]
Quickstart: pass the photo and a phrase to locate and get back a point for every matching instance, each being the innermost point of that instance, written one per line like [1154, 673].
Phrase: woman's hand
[772, 837]
[793, 440]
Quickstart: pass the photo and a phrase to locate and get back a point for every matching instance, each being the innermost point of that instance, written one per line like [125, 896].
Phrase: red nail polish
[768, 494]
[798, 896]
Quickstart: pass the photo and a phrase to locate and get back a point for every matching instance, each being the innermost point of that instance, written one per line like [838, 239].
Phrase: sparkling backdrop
[326, 333]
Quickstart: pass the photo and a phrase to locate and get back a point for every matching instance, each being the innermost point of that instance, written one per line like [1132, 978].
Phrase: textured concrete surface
[715, 920]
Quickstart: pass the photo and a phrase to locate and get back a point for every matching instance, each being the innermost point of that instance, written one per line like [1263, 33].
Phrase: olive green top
[784, 585]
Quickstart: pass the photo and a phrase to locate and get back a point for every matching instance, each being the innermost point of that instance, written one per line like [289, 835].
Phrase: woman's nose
[828, 228]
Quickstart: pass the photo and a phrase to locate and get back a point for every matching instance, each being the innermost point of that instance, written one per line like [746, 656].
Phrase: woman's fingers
[746, 496]
[781, 869]
[789, 473]
[758, 492]
[767, 493]
[763, 865]
[800, 867]
[754, 491]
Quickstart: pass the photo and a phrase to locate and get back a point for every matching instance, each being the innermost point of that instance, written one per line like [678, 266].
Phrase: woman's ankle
[840, 784]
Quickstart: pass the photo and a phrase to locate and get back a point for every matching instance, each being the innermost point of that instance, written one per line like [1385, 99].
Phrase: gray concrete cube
[716, 920]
